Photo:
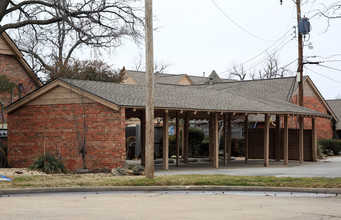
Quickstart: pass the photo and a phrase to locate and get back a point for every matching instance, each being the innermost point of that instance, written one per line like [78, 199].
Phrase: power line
[235, 23]
[261, 53]
[272, 52]
[334, 80]
[331, 61]
[332, 68]
[323, 57]
[289, 64]
[261, 60]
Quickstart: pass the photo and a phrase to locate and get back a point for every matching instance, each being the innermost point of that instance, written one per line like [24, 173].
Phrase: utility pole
[300, 56]
[149, 168]
[300, 85]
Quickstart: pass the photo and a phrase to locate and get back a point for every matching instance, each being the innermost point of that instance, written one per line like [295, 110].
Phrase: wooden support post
[143, 139]
[149, 168]
[246, 138]
[210, 136]
[177, 137]
[185, 136]
[165, 140]
[314, 140]
[266, 139]
[182, 140]
[300, 141]
[278, 138]
[216, 141]
[229, 136]
[225, 139]
[286, 141]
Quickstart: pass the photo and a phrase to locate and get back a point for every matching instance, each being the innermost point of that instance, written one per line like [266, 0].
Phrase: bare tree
[138, 62]
[332, 11]
[50, 31]
[159, 67]
[271, 70]
[81, 125]
[238, 71]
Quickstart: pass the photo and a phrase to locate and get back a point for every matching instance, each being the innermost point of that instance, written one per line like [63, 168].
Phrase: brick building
[18, 71]
[336, 106]
[283, 89]
[53, 117]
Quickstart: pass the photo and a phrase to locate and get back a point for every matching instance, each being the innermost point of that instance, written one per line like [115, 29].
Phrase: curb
[169, 188]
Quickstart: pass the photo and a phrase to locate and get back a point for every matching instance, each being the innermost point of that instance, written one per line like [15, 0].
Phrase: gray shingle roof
[165, 78]
[335, 105]
[186, 97]
[279, 89]
[140, 77]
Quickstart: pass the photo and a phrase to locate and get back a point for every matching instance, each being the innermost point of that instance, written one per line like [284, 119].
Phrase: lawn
[93, 180]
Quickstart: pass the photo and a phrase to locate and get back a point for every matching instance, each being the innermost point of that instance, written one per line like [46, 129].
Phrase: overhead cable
[328, 67]
[235, 23]
[261, 53]
[334, 80]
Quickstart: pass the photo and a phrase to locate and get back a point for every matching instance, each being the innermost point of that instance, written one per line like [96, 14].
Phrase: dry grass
[92, 180]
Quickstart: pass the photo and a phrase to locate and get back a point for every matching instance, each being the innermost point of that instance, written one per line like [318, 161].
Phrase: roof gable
[7, 47]
[45, 93]
[336, 107]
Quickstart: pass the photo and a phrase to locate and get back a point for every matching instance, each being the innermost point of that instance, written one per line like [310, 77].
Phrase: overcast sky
[195, 37]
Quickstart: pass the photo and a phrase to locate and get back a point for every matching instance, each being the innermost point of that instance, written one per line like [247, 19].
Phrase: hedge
[330, 144]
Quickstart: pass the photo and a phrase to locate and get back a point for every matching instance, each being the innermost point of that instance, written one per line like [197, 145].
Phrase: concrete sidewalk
[330, 168]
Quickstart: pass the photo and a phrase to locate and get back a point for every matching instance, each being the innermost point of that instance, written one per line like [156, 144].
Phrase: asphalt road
[330, 167]
[158, 205]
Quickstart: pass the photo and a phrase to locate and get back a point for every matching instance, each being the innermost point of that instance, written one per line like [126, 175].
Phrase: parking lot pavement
[156, 205]
[330, 167]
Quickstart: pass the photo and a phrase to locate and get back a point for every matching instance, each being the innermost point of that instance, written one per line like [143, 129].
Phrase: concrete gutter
[169, 188]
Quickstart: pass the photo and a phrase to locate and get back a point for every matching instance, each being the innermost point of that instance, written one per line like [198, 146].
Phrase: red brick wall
[10, 67]
[323, 126]
[31, 128]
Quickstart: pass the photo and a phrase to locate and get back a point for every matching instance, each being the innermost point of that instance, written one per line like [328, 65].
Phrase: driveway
[330, 167]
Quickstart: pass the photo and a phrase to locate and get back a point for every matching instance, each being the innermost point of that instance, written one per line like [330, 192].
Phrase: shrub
[330, 144]
[48, 164]
[240, 146]
[203, 148]
[237, 146]
[3, 158]
[130, 147]
[195, 138]
[171, 145]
